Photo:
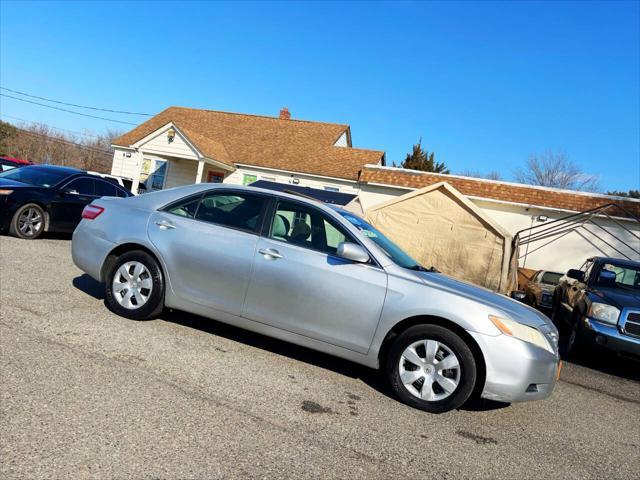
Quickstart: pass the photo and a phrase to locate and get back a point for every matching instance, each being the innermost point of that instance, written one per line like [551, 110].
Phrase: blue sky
[484, 84]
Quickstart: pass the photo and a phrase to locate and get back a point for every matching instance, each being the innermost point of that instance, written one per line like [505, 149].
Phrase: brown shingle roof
[233, 138]
[504, 191]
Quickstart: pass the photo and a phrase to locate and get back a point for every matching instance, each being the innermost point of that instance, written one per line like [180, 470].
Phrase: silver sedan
[302, 271]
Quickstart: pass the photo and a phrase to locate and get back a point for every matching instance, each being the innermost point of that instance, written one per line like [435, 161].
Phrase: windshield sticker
[369, 234]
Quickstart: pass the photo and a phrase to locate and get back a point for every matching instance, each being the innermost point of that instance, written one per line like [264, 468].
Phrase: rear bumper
[609, 337]
[89, 251]
[516, 371]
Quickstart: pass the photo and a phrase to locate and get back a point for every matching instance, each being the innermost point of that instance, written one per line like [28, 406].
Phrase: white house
[180, 146]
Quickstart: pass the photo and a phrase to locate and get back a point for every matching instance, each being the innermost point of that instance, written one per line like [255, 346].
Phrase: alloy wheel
[132, 285]
[429, 370]
[30, 222]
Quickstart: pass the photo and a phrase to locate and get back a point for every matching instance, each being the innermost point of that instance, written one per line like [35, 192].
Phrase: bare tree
[493, 175]
[42, 144]
[556, 170]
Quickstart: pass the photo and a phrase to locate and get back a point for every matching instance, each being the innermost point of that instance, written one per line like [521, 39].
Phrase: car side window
[305, 227]
[104, 189]
[234, 210]
[587, 271]
[82, 186]
[185, 208]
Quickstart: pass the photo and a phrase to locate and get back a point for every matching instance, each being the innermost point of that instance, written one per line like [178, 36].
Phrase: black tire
[576, 347]
[29, 212]
[452, 341]
[155, 301]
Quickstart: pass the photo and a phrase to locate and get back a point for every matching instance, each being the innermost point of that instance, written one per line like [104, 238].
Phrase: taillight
[90, 212]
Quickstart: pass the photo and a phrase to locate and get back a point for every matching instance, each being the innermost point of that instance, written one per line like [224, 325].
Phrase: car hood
[514, 309]
[617, 297]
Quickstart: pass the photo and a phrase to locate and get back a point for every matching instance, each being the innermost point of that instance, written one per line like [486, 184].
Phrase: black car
[39, 198]
[601, 305]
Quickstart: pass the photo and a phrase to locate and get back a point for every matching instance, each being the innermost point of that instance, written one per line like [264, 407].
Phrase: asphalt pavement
[87, 394]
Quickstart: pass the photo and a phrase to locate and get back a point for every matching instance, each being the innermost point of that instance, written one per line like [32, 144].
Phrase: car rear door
[71, 199]
[208, 243]
[300, 285]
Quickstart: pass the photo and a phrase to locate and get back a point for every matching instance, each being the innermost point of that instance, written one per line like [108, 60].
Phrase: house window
[331, 189]
[158, 176]
[248, 179]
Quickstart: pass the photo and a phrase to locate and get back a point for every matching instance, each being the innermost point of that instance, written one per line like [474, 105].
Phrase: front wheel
[431, 368]
[135, 286]
[27, 222]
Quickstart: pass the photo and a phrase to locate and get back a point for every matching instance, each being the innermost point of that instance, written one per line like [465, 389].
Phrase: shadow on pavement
[89, 286]
[370, 377]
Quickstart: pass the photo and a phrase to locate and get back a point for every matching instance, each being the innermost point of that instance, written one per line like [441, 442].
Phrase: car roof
[160, 198]
[617, 261]
[60, 168]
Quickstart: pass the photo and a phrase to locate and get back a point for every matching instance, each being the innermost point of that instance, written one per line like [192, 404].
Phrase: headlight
[6, 192]
[604, 313]
[521, 332]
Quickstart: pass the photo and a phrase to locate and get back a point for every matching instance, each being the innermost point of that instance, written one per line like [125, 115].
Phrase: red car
[7, 163]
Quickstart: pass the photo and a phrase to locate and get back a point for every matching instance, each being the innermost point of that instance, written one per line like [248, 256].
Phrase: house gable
[160, 143]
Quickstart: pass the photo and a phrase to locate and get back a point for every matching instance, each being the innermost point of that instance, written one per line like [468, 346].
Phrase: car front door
[299, 284]
[70, 201]
[208, 244]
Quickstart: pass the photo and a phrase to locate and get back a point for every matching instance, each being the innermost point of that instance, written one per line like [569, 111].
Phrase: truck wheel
[576, 343]
[431, 368]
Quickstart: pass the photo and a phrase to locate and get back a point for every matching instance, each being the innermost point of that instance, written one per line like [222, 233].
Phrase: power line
[49, 126]
[74, 104]
[65, 110]
[78, 145]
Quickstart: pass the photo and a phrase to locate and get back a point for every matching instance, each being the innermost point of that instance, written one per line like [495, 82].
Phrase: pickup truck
[600, 302]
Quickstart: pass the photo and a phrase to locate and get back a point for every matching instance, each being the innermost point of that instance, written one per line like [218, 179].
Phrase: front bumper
[516, 371]
[609, 337]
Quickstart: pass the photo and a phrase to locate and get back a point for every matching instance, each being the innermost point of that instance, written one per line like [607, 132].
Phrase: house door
[215, 177]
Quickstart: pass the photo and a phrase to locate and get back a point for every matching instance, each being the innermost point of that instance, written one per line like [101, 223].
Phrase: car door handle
[270, 252]
[164, 225]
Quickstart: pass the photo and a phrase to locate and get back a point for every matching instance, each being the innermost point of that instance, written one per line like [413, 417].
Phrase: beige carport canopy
[439, 226]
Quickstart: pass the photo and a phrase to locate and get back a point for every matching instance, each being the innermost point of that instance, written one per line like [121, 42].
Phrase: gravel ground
[87, 394]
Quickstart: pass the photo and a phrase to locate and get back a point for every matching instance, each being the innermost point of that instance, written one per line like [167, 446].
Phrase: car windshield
[626, 276]
[550, 278]
[38, 176]
[394, 252]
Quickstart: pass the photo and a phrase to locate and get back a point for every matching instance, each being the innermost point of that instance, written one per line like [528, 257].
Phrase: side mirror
[353, 252]
[576, 274]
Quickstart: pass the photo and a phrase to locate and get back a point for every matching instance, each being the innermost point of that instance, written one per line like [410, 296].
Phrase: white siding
[342, 141]
[563, 253]
[285, 177]
[177, 148]
[181, 172]
[125, 163]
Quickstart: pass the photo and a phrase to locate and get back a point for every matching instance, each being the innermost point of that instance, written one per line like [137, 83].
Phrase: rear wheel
[135, 286]
[431, 368]
[28, 222]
